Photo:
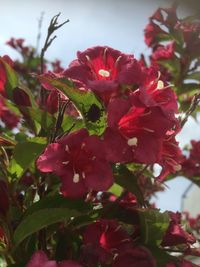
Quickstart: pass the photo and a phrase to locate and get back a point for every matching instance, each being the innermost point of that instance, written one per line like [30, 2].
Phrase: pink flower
[79, 160]
[162, 52]
[104, 70]
[39, 259]
[151, 31]
[137, 129]
[103, 239]
[8, 117]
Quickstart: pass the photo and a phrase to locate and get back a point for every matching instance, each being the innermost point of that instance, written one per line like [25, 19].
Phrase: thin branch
[194, 103]
[49, 39]
[53, 26]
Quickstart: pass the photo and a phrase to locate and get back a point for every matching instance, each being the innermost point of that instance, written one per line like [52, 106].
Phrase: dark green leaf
[83, 100]
[25, 153]
[154, 225]
[173, 65]
[58, 201]
[128, 180]
[161, 256]
[11, 79]
[41, 219]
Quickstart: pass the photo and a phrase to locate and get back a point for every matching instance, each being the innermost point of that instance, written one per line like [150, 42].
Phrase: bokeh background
[115, 23]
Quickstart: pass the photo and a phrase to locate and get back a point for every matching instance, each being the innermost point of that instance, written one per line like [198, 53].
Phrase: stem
[194, 103]
[53, 26]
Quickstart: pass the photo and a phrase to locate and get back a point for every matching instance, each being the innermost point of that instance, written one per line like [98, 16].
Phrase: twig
[194, 103]
[51, 29]
[61, 110]
[53, 26]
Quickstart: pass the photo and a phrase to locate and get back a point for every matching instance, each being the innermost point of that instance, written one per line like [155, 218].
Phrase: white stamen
[76, 178]
[82, 145]
[87, 57]
[132, 142]
[104, 73]
[177, 167]
[93, 158]
[160, 84]
[148, 130]
[65, 162]
[83, 175]
[67, 148]
[118, 228]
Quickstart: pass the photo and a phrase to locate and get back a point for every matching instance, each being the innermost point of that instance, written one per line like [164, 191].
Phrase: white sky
[116, 23]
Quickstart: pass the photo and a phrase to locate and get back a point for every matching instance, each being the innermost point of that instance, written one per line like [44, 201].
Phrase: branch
[194, 103]
[53, 26]
[49, 39]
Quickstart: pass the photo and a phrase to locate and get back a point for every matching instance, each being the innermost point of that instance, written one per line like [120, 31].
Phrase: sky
[115, 23]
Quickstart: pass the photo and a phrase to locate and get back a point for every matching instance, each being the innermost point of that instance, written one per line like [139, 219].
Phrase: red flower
[171, 156]
[80, 162]
[137, 129]
[103, 70]
[162, 52]
[9, 118]
[191, 165]
[175, 235]
[135, 257]
[103, 239]
[52, 102]
[151, 31]
[21, 98]
[3, 75]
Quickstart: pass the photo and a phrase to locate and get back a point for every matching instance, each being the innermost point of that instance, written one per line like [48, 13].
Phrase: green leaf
[41, 118]
[41, 219]
[188, 88]
[161, 257]
[154, 225]
[11, 79]
[58, 201]
[71, 123]
[173, 66]
[116, 190]
[83, 100]
[24, 154]
[128, 180]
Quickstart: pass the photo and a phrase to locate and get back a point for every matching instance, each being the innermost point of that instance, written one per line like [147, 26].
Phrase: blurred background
[115, 23]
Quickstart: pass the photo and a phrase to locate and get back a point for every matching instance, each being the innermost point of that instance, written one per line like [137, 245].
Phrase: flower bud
[21, 98]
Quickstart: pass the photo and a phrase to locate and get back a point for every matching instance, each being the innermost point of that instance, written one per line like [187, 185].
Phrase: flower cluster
[79, 149]
[142, 130]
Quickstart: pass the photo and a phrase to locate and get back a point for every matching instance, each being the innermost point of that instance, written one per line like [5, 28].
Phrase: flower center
[132, 142]
[76, 178]
[104, 73]
[160, 85]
